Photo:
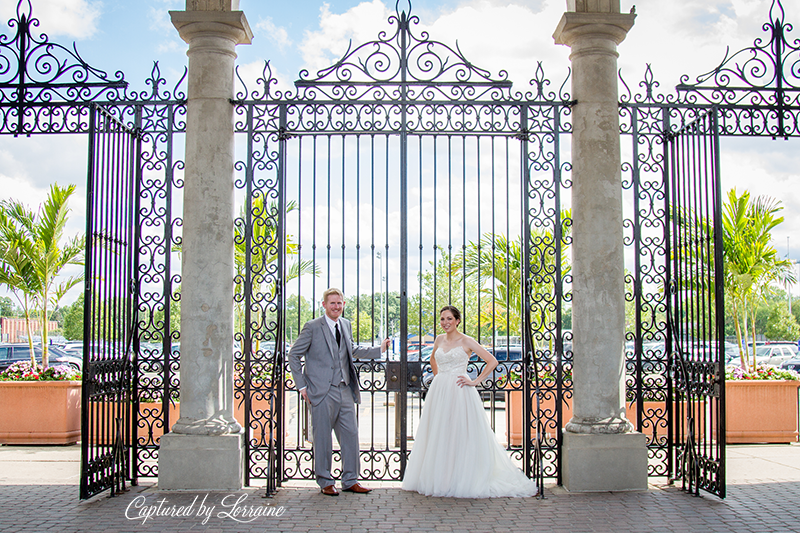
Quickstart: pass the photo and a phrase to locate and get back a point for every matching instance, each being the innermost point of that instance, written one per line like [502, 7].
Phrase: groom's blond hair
[330, 291]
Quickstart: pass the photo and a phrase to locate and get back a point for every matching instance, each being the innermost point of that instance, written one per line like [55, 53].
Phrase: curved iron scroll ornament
[763, 78]
[45, 74]
[405, 66]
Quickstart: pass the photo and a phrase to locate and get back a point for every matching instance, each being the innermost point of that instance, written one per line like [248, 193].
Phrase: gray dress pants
[336, 413]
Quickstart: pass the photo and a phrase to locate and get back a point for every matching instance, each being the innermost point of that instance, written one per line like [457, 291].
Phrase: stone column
[204, 449]
[601, 451]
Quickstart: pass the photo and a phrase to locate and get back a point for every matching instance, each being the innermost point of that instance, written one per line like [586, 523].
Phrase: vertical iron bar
[276, 444]
[668, 341]
[559, 296]
[87, 379]
[636, 275]
[344, 226]
[401, 404]
[167, 355]
[720, 305]
[529, 358]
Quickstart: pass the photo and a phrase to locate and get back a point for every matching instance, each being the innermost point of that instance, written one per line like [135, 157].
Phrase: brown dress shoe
[330, 490]
[360, 489]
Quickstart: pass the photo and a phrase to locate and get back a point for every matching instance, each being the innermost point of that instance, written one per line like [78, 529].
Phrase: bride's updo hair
[454, 310]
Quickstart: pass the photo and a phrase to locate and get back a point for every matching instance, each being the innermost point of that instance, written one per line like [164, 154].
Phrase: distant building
[14, 330]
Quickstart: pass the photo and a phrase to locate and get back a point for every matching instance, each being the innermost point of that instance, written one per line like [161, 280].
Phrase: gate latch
[394, 375]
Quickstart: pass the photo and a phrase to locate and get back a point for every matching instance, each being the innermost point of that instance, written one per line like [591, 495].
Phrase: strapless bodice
[452, 361]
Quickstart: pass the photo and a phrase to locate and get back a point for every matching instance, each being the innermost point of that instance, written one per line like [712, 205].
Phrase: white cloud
[507, 36]
[175, 45]
[689, 37]
[322, 48]
[73, 18]
[274, 33]
[161, 24]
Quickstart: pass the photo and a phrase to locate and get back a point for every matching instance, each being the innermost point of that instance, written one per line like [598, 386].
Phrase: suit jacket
[317, 345]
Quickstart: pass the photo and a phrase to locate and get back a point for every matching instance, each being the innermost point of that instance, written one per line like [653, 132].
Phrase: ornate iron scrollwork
[45, 75]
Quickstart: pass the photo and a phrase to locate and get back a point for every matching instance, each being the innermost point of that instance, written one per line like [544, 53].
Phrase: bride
[456, 452]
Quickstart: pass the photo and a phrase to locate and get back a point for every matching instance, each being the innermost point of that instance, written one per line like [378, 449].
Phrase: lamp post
[788, 280]
[380, 291]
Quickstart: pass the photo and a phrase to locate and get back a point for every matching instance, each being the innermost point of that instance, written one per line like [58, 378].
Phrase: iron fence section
[109, 305]
[696, 317]
[157, 377]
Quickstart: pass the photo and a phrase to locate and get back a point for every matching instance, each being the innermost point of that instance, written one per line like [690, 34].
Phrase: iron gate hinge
[284, 135]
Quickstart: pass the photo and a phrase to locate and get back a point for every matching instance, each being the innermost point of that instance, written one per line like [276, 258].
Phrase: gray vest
[341, 372]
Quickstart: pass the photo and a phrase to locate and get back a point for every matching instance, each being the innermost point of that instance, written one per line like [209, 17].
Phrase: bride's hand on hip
[464, 380]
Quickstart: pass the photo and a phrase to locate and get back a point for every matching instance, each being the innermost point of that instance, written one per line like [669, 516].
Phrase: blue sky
[674, 36]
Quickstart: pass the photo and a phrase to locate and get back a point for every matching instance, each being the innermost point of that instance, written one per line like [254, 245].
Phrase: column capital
[593, 6]
[228, 24]
[611, 26]
[216, 5]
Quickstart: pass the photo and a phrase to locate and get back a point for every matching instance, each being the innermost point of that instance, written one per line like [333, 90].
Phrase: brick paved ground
[763, 495]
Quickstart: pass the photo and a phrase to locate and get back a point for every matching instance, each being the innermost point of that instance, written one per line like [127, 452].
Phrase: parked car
[775, 354]
[74, 348]
[790, 344]
[791, 364]
[421, 355]
[654, 358]
[11, 353]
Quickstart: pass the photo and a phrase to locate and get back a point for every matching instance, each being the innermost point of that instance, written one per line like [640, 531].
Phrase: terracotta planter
[761, 411]
[756, 411]
[40, 412]
[150, 412]
[514, 402]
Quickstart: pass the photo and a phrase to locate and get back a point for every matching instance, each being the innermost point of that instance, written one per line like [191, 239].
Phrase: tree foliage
[7, 307]
[33, 252]
[72, 325]
[752, 264]
[495, 266]
[782, 324]
[444, 284]
[256, 260]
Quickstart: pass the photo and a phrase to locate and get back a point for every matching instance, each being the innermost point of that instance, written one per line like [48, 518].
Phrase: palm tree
[33, 254]
[498, 263]
[16, 267]
[751, 262]
[264, 252]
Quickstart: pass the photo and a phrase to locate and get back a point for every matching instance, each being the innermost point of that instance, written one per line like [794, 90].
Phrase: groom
[329, 382]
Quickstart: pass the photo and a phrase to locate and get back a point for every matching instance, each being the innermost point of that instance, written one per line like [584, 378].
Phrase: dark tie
[338, 335]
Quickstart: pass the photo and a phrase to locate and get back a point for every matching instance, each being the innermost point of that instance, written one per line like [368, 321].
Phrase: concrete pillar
[204, 449]
[601, 451]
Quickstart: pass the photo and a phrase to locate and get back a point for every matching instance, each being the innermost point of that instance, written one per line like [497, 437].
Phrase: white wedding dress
[455, 451]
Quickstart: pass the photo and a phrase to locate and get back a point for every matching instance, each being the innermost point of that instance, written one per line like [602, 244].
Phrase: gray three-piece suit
[331, 382]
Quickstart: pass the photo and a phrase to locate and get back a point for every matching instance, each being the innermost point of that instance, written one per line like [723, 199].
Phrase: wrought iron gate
[696, 314]
[410, 179]
[109, 304]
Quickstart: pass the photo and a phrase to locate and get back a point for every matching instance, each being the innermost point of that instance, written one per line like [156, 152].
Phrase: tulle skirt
[455, 451]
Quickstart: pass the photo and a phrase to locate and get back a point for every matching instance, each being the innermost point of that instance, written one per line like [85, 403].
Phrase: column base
[601, 463]
[200, 462]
